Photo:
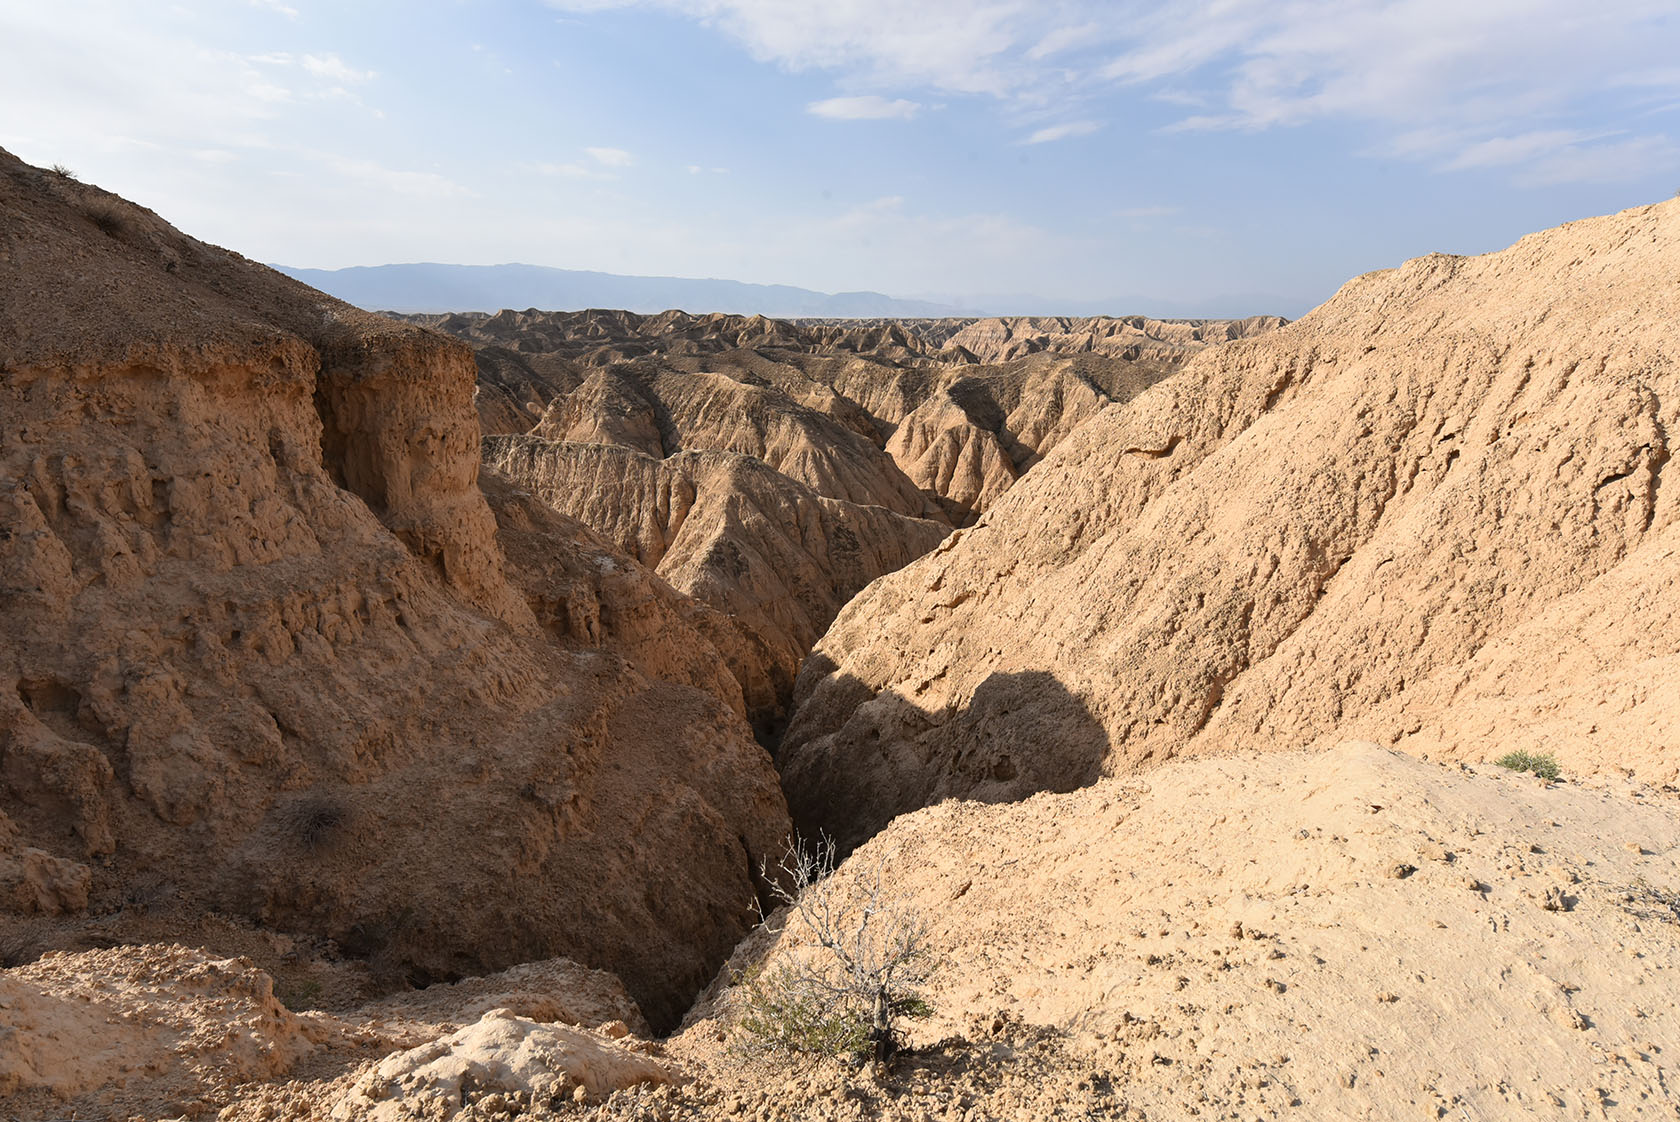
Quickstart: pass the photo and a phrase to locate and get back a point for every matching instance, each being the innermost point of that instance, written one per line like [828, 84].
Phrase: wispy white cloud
[867, 107]
[1188, 98]
[418, 184]
[276, 6]
[1458, 86]
[1667, 77]
[958, 46]
[1062, 131]
[601, 163]
[1503, 151]
[1483, 73]
[1614, 162]
[334, 69]
[1059, 40]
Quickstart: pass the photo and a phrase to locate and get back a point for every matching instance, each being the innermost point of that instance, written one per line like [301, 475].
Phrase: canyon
[402, 717]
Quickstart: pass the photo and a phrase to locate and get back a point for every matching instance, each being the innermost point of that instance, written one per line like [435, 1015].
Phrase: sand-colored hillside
[1430, 513]
[1350, 933]
[774, 558]
[1341, 934]
[869, 433]
[597, 338]
[663, 412]
[264, 657]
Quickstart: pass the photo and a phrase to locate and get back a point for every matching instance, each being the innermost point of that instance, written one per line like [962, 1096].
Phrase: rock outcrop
[774, 559]
[924, 417]
[262, 641]
[664, 412]
[872, 432]
[1429, 514]
[159, 1030]
[603, 338]
[185, 1023]
[503, 1055]
[1132, 338]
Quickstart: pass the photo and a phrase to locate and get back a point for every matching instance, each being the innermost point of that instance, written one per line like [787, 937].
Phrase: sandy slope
[1344, 934]
[1430, 513]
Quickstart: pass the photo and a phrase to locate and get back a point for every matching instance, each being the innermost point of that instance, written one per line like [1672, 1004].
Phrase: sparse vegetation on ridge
[1540, 763]
[109, 215]
[859, 957]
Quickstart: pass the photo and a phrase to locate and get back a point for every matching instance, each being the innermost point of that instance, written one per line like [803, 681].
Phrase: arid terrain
[403, 717]
[772, 470]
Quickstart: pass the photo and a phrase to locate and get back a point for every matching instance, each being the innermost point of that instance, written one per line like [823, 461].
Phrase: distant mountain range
[490, 288]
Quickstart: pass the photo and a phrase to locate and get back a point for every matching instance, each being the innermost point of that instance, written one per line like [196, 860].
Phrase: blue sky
[1229, 155]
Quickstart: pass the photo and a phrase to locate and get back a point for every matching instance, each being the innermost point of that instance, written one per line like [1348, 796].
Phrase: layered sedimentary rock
[1430, 514]
[774, 557]
[663, 412]
[1132, 338]
[875, 415]
[600, 338]
[975, 430]
[949, 412]
[262, 644]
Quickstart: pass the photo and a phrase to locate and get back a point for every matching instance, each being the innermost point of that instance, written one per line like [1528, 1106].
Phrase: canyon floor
[402, 716]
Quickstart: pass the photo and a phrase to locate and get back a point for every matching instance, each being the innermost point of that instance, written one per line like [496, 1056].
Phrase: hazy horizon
[1073, 152]
[416, 287]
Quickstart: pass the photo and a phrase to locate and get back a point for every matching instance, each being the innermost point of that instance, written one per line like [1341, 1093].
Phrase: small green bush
[1540, 763]
[865, 959]
[784, 1009]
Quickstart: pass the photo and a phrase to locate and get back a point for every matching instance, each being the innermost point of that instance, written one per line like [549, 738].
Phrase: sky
[1230, 156]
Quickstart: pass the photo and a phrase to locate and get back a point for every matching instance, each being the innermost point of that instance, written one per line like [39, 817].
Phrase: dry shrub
[855, 959]
[316, 820]
[110, 215]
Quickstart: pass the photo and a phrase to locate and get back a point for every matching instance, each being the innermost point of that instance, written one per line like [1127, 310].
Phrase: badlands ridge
[397, 713]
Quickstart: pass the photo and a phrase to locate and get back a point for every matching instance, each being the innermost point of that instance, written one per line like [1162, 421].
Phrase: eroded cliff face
[871, 438]
[929, 418]
[1429, 514]
[262, 654]
[663, 412]
[774, 560]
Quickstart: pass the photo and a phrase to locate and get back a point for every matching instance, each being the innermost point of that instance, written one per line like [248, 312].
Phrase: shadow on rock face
[1018, 734]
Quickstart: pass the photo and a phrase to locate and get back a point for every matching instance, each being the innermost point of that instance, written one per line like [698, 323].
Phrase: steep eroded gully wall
[260, 655]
